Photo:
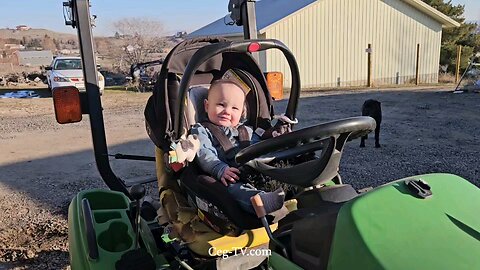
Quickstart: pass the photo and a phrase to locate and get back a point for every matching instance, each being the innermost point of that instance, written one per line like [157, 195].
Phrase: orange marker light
[275, 84]
[66, 101]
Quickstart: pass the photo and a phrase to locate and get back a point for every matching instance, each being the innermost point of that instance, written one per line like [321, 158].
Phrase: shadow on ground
[53, 181]
[43, 260]
[422, 132]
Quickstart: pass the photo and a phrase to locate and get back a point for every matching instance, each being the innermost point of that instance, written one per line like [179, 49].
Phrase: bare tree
[48, 44]
[140, 37]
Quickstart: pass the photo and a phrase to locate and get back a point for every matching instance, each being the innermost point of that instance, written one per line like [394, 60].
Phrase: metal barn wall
[329, 39]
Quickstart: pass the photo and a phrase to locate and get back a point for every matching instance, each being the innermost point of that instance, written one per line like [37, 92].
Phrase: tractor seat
[201, 238]
[206, 244]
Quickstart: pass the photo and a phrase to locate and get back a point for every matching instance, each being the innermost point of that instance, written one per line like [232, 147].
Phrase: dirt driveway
[43, 164]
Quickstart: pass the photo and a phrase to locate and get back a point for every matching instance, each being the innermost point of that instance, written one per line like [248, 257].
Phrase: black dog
[373, 109]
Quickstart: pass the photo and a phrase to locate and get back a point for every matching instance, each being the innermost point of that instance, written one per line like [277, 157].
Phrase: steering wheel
[330, 136]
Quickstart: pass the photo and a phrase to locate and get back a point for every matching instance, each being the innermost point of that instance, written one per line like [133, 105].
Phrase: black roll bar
[82, 22]
[91, 103]
[238, 47]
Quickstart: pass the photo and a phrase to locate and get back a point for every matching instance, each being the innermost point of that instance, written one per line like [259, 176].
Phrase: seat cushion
[195, 110]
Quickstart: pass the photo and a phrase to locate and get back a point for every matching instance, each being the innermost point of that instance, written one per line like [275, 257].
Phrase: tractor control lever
[261, 214]
[137, 192]
[137, 258]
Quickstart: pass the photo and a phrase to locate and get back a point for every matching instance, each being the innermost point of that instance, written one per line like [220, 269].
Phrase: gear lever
[259, 208]
[137, 258]
[137, 192]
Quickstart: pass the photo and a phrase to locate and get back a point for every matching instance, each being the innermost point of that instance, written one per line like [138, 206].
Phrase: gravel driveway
[43, 164]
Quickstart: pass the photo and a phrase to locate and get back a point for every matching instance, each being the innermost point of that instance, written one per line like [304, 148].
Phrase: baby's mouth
[225, 118]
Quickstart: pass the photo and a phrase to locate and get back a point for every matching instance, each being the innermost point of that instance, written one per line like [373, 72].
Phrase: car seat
[161, 111]
[219, 209]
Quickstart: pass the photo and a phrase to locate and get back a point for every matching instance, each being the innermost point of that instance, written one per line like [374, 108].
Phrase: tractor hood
[391, 228]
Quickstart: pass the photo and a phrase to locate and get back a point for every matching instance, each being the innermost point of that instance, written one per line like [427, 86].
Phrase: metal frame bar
[81, 21]
[92, 103]
[249, 19]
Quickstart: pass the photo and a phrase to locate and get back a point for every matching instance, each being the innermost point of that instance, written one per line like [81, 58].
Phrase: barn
[34, 58]
[348, 42]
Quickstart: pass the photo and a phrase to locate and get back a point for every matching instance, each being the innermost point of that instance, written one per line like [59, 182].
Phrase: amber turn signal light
[66, 101]
[275, 84]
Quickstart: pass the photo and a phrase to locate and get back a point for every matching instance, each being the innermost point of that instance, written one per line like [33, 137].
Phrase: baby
[225, 106]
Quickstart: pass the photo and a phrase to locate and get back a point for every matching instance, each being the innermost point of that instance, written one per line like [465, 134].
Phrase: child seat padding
[195, 110]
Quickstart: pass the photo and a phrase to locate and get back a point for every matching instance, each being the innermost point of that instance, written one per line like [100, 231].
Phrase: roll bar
[78, 16]
[81, 21]
[209, 51]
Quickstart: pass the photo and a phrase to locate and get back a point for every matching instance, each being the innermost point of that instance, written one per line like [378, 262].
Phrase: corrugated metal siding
[329, 39]
[34, 58]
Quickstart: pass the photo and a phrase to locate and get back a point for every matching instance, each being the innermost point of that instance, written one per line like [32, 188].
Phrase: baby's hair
[225, 81]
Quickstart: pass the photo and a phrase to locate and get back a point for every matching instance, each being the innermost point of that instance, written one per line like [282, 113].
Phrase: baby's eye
[221, 104]
[235, 108]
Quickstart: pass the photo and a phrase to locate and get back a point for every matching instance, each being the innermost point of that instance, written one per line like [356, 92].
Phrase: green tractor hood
[389, 228]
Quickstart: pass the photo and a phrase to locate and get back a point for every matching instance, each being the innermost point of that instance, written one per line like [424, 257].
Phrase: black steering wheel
[330, 136]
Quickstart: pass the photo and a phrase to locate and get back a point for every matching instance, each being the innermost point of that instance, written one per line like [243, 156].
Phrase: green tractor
[420, 222]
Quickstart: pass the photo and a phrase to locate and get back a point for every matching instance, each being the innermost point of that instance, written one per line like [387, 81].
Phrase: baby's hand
[231, 174]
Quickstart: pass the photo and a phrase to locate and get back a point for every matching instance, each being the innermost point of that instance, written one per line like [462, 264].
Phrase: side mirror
[48, 68]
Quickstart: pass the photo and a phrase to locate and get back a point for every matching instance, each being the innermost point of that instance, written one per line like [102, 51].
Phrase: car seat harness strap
[227, 145]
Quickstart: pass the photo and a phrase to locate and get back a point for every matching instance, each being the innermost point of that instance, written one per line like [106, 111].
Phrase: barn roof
[433, 12]
[268, 12]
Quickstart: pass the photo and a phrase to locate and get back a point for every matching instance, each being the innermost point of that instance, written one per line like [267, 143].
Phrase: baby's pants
[242, 193]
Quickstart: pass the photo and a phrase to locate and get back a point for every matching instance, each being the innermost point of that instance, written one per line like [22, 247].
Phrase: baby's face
[225, 105]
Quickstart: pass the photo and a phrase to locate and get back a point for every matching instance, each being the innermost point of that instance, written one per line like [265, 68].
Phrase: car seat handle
[209, 51]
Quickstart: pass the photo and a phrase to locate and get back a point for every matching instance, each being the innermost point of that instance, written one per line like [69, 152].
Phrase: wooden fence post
[458, 62]
[369, 70]
[417, 67]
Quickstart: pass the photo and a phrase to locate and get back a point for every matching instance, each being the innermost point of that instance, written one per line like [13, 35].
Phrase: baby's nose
[227, 110]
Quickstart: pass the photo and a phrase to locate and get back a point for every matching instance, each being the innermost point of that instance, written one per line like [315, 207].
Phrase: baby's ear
[205, 104]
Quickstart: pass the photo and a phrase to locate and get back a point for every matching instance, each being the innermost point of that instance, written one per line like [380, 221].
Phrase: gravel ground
[43, 164]
[422, 131]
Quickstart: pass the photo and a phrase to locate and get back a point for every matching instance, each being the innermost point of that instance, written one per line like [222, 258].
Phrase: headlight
[60, 79]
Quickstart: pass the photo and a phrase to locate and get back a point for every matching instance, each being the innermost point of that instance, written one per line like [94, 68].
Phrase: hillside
[34, 33]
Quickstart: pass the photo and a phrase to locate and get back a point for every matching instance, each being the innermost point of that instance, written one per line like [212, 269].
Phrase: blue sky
[177, 15]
